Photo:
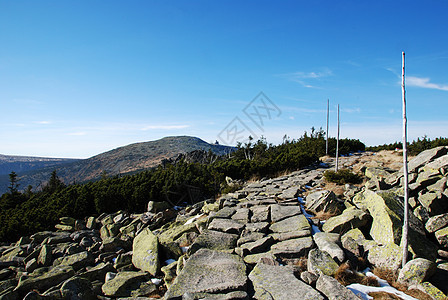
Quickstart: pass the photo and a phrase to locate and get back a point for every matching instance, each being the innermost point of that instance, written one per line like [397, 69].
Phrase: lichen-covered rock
[278, 282]
[124, 283]
[442, 236]
[432, 291]
[386, 256]
[320, 262]
[328, 242]
[77, 288]
[145, 252]
[436, 222]
[51, 278]
[416, 271]
[168, 237]
[209, 271]
[350, 218]
[386, 209]
[158, 206]
[331, 288]
[78, 260]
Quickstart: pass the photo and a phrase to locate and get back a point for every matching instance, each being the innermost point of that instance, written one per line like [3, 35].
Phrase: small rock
[331, 288]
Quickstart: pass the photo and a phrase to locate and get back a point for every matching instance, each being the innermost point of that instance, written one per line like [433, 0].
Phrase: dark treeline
[22, 213]
[415, 147]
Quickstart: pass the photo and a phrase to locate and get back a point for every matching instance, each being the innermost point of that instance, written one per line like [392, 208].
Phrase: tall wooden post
[404, 239]
[328, 117]
[337, 145]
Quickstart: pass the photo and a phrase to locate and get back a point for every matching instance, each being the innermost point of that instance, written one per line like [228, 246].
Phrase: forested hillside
[177, 181]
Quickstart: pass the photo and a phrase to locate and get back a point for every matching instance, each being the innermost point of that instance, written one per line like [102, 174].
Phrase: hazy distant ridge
[122, 160]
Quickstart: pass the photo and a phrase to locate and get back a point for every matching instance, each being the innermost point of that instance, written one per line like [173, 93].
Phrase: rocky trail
[260, 242]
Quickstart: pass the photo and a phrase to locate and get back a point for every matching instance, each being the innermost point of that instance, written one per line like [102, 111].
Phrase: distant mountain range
[128, 159]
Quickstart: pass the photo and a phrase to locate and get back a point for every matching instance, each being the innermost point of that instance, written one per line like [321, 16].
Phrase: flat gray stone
[331, 288]
[209, 271]
[280, 212]
[258, 246]
[277, 282]
[260, 214]
[214, 240]
[292, 224]
[226, 225]
[293, 248]
[249, 236]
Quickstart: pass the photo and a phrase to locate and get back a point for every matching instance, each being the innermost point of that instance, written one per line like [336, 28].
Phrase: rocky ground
[260, 242]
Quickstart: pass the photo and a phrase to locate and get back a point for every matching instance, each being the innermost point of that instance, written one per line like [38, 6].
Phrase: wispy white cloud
[425, 82]
[43, 122]
[307, 79]
[351, 110]
[79, 133]
[164, 127]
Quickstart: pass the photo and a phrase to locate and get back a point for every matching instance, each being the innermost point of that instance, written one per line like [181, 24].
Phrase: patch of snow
[184, 249]
[169, 261]
[156, 281]
[362, 291]
[193, 219]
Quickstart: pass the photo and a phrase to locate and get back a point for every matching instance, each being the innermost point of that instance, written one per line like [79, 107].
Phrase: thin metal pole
[337, 145]
[328, 117]
[404, 240]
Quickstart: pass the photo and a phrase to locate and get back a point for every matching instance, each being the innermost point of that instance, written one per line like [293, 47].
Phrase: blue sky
[78, 78]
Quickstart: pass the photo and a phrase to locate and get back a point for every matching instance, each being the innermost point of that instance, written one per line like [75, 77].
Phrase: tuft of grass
[345, 275]
[383, 296]
[342, 176]
[324, 215]
[390, 276]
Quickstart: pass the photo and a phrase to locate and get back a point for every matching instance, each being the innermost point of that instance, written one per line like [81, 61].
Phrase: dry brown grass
[390, 276]
[345, 275]
[384, 296]
[418, 294]
[324, 215]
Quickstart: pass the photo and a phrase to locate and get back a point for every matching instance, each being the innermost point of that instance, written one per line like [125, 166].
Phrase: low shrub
[342, 176]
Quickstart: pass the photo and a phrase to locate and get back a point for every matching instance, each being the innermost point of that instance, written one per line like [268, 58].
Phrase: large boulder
[386, 256]
[47, 280]
[331, 288]
[209, 271]
[168, 237]
[77, 288]
[350, 218]
[425, 157]
[386, 209]
[416, 271]
[78, 260]
[279, 282]
[145, 252]
[325, 201]
[329, 242]
[436, 222]
[124, 283]
[320, 262]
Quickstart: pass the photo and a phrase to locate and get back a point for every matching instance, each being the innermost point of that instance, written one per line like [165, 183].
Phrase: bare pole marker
[328, 117]
[404, 238]
[337, 145]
